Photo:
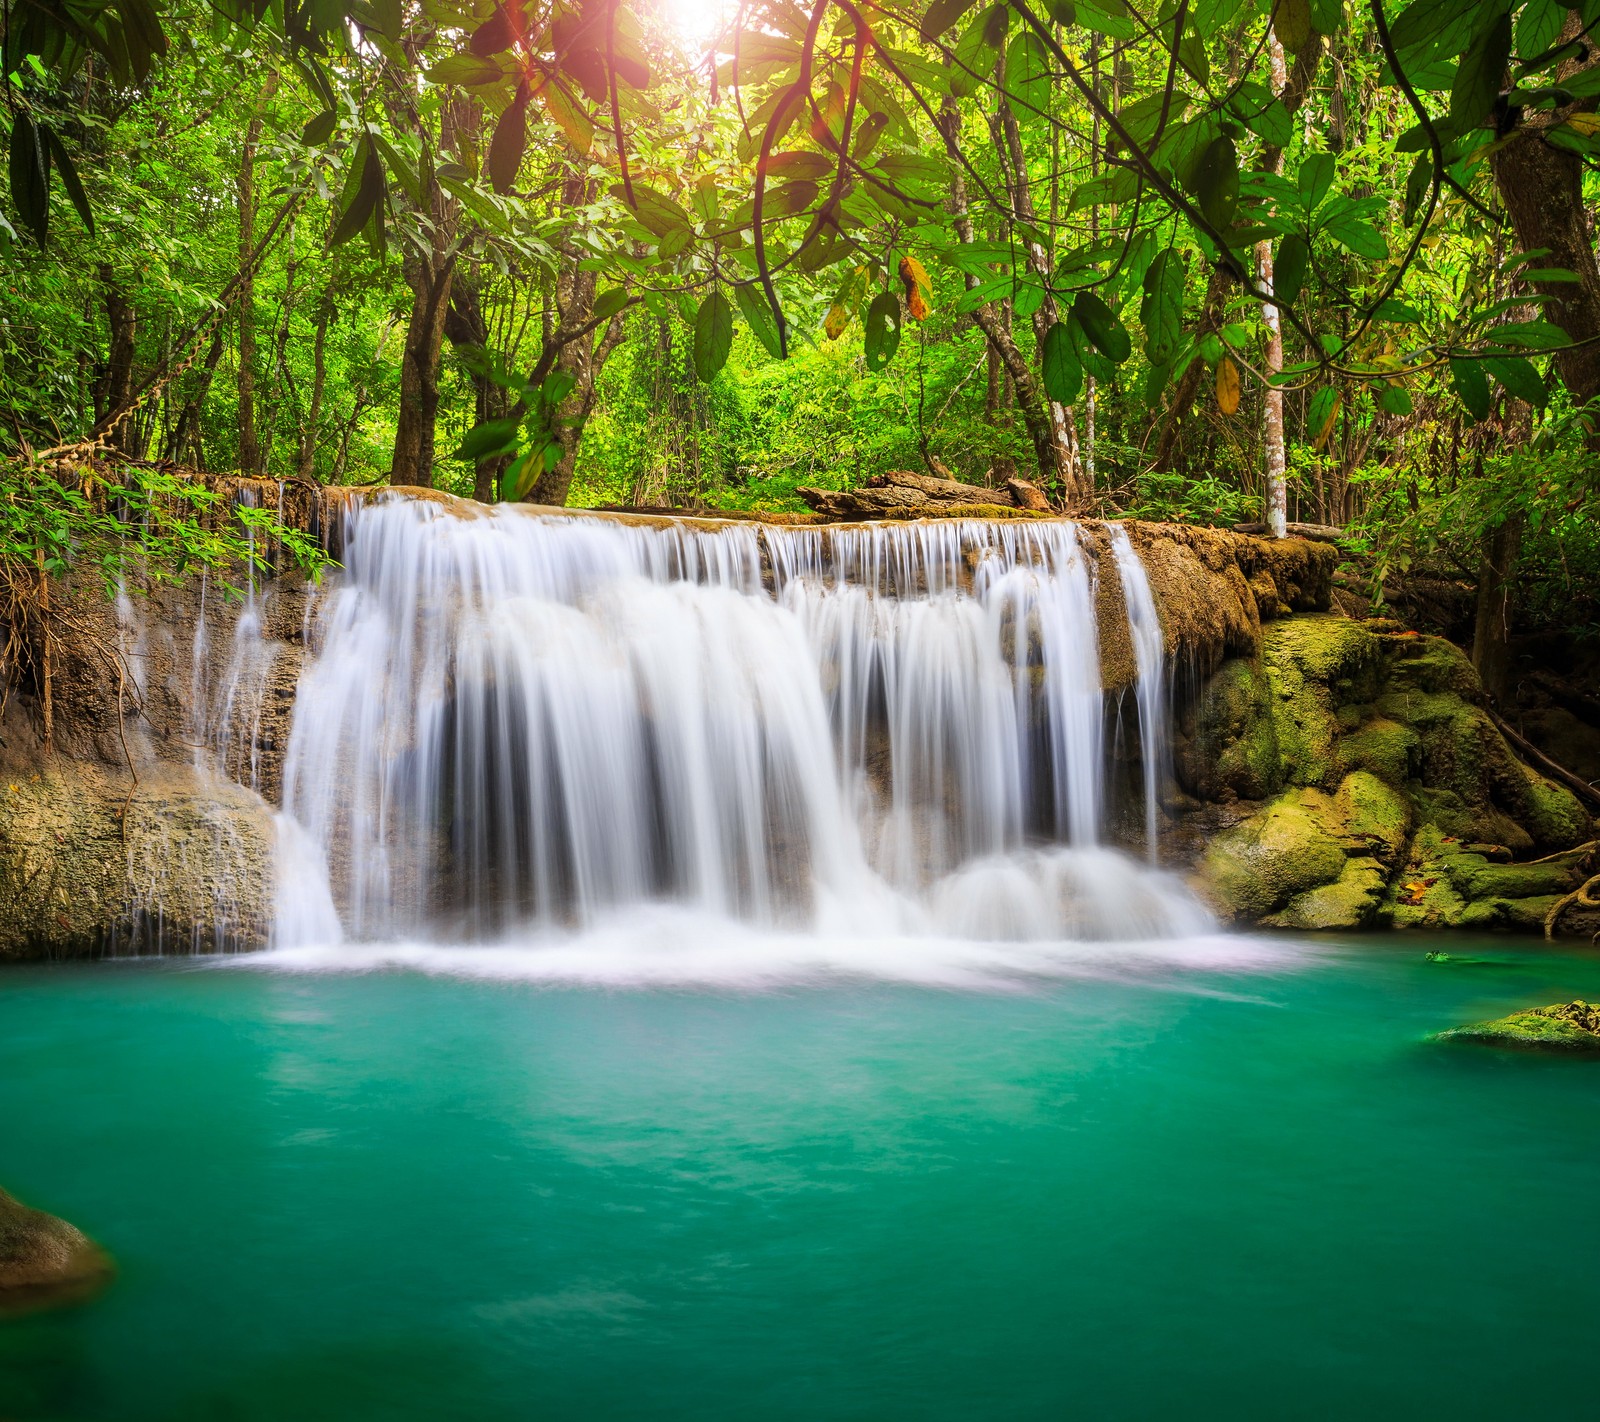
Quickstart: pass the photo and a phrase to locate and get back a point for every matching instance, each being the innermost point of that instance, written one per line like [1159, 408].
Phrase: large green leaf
[883, 329]
[1471, 386]
[941, 15]
[1161, 310]
[758, 317]
[1216, 182]
[713, 335]
[30, 176]
[1291, 21]
[1479, 75]
[1314, 179]
[1520, 378]
[1290, 268]
[509, 143]
[1063, 371]
[362, 191]
[69, 178]
[1353, 232]
[1099, 322]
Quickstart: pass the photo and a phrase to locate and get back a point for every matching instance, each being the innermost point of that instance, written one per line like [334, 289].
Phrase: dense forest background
[1228, 261]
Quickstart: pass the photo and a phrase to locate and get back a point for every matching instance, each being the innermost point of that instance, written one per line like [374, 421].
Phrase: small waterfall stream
[513, 722]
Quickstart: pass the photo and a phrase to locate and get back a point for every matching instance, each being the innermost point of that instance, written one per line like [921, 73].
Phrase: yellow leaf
[1227, 386]
[1586, 124]
[918, 288]
[1321, 437]
[833, 325]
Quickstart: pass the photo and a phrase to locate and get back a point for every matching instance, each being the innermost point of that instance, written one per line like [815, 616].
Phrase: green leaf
[1472, 387]
[608, 303]
[1314, 179]
[1357, 235]
[1538, 27]
[1028, 72]
[362, 191]
[1106, 17]
[1290, 268]
[69, 178]
[466, 69]
[1426, 28]
[1327, 16]
[941, 15]
[509, 143]
[1319, 417]
[30, 176]
[1161, 310]
[1291, 19]
[882, 329]
[1520, 378]
[1216, 182]
[320, 129]
[1532, 335]
[758, 317]
[1063, 371]
[713, 335]
[1480, 73]
[1107, 334]
[488, 440]
[1394, 400]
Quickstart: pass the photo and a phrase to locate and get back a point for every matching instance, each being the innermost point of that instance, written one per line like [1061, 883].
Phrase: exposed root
[1586, 895]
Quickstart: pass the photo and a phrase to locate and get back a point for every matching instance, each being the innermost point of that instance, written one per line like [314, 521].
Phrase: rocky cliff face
[1351, 776]
[1330, 773]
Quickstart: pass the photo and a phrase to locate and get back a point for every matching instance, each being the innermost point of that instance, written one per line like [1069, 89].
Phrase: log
[1579, 787]
[1027, 496]
[1316, 532]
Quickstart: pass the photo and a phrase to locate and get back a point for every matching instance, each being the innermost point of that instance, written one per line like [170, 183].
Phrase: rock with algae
[1561, 1027]
[45, 1260]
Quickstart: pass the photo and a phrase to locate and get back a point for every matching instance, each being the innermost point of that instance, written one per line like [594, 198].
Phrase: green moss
[1375, 813]
[1326, 648]
[1353, 901]
[1561, 1027]
[1235, 741]
[1551, 813]
[1389, 749]
[1431, 665]
[1282, 851]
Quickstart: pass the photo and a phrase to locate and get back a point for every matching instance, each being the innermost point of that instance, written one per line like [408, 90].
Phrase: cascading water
[513, 722]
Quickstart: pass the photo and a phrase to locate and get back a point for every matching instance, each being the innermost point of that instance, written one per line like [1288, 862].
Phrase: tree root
[1586, 895]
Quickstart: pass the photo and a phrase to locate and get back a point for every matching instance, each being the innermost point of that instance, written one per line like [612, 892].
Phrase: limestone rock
[1561, 1027]
[188, 868]
[1286, 849]
[44, 1259]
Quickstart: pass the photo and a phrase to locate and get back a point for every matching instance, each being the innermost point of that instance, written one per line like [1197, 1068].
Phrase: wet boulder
[45, 1260]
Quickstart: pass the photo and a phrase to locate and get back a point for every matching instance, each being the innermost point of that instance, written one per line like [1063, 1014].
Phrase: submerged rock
[45, 1260]
[1561, 1027]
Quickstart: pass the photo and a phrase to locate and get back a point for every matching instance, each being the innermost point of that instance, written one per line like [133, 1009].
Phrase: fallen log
[1316, 532]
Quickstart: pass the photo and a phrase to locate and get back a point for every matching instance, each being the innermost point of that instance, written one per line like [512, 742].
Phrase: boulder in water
[45, 1260]
[1561, 1027]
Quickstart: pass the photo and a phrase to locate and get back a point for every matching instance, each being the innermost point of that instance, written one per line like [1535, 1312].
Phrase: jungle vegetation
[1226, 260]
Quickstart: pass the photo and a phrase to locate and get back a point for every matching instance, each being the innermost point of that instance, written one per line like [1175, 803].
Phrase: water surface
[1228, 1182]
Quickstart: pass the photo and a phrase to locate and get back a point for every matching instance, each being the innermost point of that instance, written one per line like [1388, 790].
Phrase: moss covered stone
[1352, 901]
[1375, 814]
[1259, 866]
[1551, 813]
[1561, 1027]
[1446, 884]
[1388, 749]
[1233, 741]
[1315, 665]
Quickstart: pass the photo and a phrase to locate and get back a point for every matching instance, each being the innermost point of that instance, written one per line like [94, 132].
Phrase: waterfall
[514, 721]
[1150, 656]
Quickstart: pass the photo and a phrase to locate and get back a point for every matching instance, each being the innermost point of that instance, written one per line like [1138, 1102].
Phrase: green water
[1163, 1191]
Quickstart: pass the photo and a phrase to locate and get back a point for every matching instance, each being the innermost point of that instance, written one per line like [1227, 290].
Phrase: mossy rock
[1388, 749]
[1351, 902]
[1561, 1027]
[1375, 814]
[1431, 665]
[1234, 742]
[1314, 665]
[1285, 849]
[1551, 813]
[45, 1260]
[1445, 884]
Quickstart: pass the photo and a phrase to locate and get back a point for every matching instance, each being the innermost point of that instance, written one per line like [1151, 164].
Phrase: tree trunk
[249, 441]
[1491, 632]
[467, 331]
[1542, 188]
[186, 433]
[115, 386]
[306, 461]
[990, 319]
[430, 282]
[1277, 501]
[582, 358]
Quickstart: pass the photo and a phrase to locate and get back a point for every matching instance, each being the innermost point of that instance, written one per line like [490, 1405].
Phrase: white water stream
[512, 724]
